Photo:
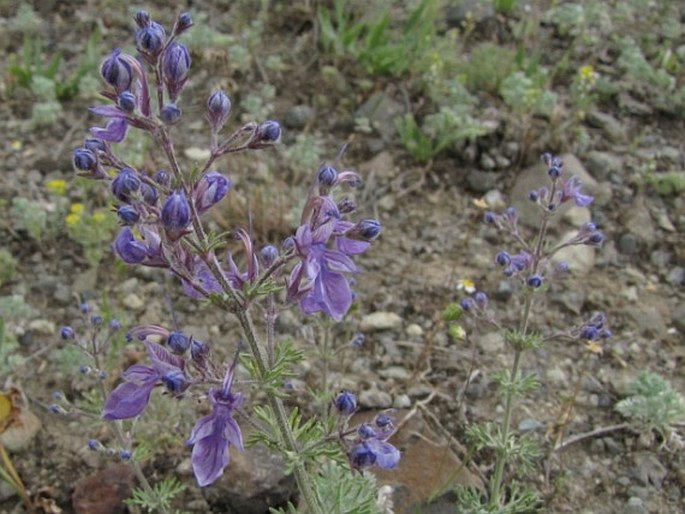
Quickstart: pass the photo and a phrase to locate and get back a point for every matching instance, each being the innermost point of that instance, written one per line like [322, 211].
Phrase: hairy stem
[301, 476]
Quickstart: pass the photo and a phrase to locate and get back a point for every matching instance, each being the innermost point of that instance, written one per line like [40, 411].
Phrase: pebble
[374, 398]
[648, 469]
[134, 302]
[556, 376]
[104, 492]
[399, 373]
[414, 330]
[197, 154]
[613, 128]
[402, 401]
[43, 326]
[604, 164]
[487, 162]
[635, 505]
[628, 244]
[378, 321]
[482, 181]
[298, 116]
[495, 200]
[492, 342]
[529, 424]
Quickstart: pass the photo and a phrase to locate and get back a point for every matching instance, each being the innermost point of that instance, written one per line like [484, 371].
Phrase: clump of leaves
[30, 216]
[653, 406]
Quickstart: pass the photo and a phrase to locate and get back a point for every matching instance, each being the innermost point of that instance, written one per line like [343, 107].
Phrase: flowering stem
[299, 470]
[121, 438]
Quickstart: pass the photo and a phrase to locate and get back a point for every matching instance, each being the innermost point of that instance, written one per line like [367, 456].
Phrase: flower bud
[85, 159]
[128, 248]
[94, 145]
[268, 255]
[176, 214]
[589, 333]
[175, 68]
[345, 403]
[210, 190]
[125, 455]
[327, 176]
[117, 72]
[96, 320]
[150, 40]
[183, 23]
[481, 299]
[128, 215]
[142, 18]
[170, 114]
[84, 308]
[288, 244]
[175, 381]
[162, 177]
[127, 102]
[218, 109]
[150, 194]
[534, 281]
[67, 333]
[489, 217]
[178, 342]
[114, 325]
[467, 304]
[503, 258]
[346, 206]
[267, 133]
[366, 431]
[124, 184]
[366, 230]
[358, 340]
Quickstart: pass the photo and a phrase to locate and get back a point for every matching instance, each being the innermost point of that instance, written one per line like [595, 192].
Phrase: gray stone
[481, 181]
[414, 330]
[529, 424]
[604, 164]
[495, 200]
[255, 481]
[402, 401]
[612, 128]
[380, 321]
[43, 326]
[374, 398]
[134, 302]
[676, 276]
[648, 469]
[635, 505]
[381, 110]
[298, 117]
[395, 373]
[580, 258]
[647, 319]
[487, 162]
[638, 221]
[557, 377]
[492, 343]
[628, 244]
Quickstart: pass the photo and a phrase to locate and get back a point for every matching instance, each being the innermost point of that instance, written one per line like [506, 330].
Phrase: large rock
[253, 482]
[104, 492]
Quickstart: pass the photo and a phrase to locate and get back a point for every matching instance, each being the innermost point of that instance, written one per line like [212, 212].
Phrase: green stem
[299, 471]
[502, 455]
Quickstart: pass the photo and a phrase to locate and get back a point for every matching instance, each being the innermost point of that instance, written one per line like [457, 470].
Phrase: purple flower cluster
[160, 214]
[325, 244]
[369, 446]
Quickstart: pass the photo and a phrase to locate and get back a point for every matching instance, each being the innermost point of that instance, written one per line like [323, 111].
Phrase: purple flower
[345, 403]
[215, 433]
[571, 191]
[147, 251]
[150, 40]
[117, 72]
[238, 278]
[130, 398]
[371, 447]
[218, 109]
[176, 214]
[175, 67]
[210, 190]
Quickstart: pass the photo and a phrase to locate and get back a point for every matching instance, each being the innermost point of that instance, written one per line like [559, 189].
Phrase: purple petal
[127, 400]
[351, 246]
[210, 450]
[140, 373]
[162, 358]
[108, 111]
[583, 200]
[387, 456]
[331, 294]
[114, 132]
[338, 262]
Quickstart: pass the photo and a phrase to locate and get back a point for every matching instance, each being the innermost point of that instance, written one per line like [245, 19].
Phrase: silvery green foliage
[653, 406]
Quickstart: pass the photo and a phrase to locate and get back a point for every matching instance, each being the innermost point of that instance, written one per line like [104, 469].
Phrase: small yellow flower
[466, 285]
[57, 186]
[98, 217]
[76, 208]
[72, 219]
[587, 74]
[594, 347]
